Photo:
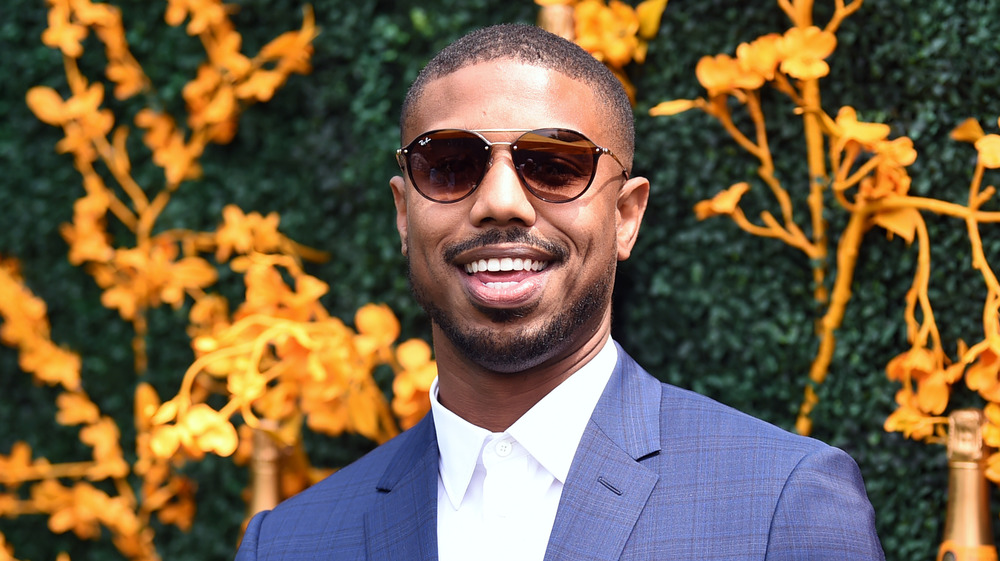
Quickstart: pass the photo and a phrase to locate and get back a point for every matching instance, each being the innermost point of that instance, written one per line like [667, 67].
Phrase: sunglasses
[555, 165]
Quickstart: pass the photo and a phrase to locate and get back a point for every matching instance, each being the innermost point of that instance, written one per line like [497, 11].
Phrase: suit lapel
[403, 522]
[607, 486]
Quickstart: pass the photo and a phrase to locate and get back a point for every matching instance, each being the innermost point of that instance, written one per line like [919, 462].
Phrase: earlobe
[398, 185]
[632, 200]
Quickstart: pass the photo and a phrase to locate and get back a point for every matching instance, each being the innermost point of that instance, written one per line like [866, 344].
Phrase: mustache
[497, 236]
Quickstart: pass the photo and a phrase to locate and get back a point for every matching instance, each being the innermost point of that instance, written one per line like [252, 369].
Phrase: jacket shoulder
[330, 515]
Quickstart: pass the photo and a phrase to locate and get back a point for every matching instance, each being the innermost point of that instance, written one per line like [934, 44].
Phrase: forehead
[506, 94]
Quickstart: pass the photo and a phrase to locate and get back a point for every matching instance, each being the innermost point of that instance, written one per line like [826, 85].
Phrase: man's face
[557, 261]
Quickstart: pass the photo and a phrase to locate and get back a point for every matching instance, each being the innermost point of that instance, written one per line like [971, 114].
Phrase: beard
[500, 346]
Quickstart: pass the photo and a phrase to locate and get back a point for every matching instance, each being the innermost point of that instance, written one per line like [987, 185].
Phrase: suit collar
[605, 491]
[608, 486]
[629, 410]
[403, 520]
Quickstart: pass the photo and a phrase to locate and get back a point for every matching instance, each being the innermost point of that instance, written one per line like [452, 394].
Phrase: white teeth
[505, 264]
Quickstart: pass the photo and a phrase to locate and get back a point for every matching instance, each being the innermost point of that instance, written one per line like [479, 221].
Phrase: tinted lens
[447, 165]
[555, 164]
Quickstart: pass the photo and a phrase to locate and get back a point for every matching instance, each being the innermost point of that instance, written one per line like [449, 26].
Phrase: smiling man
[545, 439]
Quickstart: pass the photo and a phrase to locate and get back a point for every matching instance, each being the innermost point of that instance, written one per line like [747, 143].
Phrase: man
[545, 440]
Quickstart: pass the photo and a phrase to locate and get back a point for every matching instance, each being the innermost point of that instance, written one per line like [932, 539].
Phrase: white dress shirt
[498, 492]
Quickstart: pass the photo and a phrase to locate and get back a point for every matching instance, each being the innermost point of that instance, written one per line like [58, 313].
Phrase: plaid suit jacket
[660, 473]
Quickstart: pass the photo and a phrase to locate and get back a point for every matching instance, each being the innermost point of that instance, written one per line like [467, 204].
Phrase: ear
[632, 199]
[398, 185]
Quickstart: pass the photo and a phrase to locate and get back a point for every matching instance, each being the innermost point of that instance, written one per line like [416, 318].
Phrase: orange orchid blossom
[724, 203]
[803, 50]
[411, 386]
[283, 358]
[859, 167]
[614, 32]
[798, 54]
[162, 268]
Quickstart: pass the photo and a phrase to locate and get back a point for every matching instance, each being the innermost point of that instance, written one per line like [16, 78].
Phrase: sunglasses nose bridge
[492, 153]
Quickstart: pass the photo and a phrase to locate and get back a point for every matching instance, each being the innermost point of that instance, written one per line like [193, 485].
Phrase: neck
[495, 400]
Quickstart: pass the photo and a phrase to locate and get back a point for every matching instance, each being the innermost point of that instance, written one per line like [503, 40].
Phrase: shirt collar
[550, 431]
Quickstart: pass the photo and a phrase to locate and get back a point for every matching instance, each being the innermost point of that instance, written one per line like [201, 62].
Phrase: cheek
[426, 233]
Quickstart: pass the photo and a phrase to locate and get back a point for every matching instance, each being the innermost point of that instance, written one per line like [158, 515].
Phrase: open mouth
[505, 281]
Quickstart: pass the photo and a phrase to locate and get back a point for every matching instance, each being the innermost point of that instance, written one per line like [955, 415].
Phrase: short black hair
[532, 45]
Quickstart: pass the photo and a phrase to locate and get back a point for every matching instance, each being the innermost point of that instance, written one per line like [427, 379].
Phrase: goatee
[501, 347]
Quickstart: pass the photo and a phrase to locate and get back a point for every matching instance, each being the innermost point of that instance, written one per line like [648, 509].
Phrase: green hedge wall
[701, 304]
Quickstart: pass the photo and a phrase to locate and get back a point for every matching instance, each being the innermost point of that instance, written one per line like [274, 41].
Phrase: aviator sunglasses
[555, 165]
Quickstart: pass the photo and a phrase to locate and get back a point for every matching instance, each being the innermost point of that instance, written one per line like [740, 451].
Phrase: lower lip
[503, 290]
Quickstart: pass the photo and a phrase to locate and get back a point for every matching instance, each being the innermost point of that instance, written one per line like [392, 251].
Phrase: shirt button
[504, 448]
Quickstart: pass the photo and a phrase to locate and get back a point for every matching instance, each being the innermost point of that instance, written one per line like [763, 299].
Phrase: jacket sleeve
[823, 512]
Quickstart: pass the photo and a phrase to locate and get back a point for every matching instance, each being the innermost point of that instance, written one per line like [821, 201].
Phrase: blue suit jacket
[660, 473]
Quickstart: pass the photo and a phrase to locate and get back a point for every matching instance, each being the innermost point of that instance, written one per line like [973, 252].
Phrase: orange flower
[75, 509]
[224, 52]
[204, 14]
[178, 159]
[724, 203]
[925, 368]
[673, 107]
[17, 466]
[128, 77]
[761, 56]
[200, 429]
[209, 315]
[159, 128]
[607, 31]
[852, 130]
[247, 385]
[989, 151]
[291, 50]
[87, 237]
[803, 51]
[377, 323]
[649, 13]
[25, 325]
[80, 116]
[899, 151]
[147, 401]
[908, 418]
[723, 74]
[912, 365]
[888, 180]
[411, 386]
[52, 364]
[101, 15]
[104, 437]
[62, 33]
[969, 131]
[76, 409]
[260, 85]
[209, 430]
[144, 278]
[983, 374]
[244, 233]
[268, 294]
[991, 429]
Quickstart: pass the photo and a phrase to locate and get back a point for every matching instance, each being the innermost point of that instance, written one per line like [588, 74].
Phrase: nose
[501, 199]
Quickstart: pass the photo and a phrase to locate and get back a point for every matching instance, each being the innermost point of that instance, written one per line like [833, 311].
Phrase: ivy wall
[701, 304]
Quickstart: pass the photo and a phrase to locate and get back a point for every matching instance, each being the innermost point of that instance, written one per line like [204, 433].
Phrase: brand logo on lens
[424, 141]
